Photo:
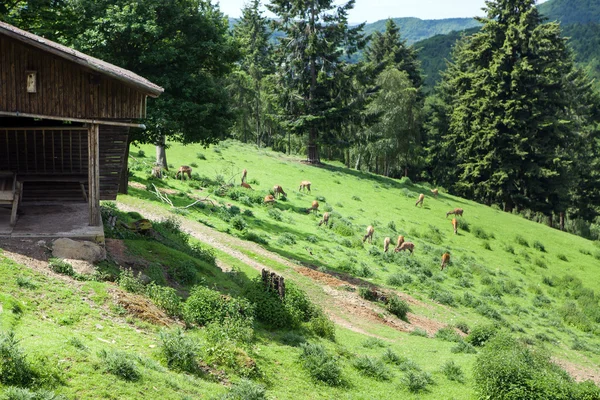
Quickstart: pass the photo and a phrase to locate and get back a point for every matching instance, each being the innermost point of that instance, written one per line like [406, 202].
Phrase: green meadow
[507, 276]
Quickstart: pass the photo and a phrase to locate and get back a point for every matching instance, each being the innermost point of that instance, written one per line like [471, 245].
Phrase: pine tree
[311, 68]
[512, 103]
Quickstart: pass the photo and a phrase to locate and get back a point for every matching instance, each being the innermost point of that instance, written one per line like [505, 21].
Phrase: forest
[512, 123]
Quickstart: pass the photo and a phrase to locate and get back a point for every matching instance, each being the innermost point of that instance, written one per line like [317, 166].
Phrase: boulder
[78, 250]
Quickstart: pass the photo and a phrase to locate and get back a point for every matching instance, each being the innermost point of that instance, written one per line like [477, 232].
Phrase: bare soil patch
[142, 308]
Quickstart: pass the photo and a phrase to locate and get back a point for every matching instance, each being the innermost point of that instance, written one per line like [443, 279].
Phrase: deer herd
[401, 244]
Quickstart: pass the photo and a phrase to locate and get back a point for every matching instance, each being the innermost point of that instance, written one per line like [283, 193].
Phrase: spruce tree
[513, 106]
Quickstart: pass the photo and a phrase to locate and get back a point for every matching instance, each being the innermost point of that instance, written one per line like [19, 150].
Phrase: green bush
[203, 253]
[323, 327]
[480, 334]
[480, 233]
[463, 225]
[14, 367]
[397, 306]
[256, 238]
[179, 351]
[508, 369]
[448, 334]
[419, 332]
[342, 227]
[453, 372]
[462, 326]
[321, 365]
[372, 367]
[26, 282]
[367, 293]
[205, 305]
[120, 364]
[372, 342]
[539, 246]
[521, 241]
[238, 222]
[442, 297]
[164, 297]
[129, 282]
[286, 239]
[463, 347]
[399, 279]
[61, 267]
[246, 390]
[183, 272]
[275, 214]
[16, 393]
[417, 381]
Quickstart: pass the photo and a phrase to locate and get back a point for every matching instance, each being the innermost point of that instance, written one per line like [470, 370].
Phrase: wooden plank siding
[58, 151]
[64, 89]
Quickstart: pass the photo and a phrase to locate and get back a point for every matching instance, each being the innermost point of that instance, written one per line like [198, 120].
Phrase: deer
[325, 219]
[386, 244]
[455, 225]
[304, 185]
[157, 171]
[407, 246]
[457, 211]
[400, 241]
[369, 235]
[244, 173]
[247, 186]
[184, 169]
[269, 199]
[445, 260]
[278, 191]
[421, 198]
[435, 193]
[314, 207]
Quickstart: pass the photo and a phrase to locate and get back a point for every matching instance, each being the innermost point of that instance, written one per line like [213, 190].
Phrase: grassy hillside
[506, 274]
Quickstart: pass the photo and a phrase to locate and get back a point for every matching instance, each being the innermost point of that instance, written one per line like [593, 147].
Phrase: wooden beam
[94, 174]
[82, 120]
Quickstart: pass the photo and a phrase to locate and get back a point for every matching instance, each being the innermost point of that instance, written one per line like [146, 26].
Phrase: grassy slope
[58, 310]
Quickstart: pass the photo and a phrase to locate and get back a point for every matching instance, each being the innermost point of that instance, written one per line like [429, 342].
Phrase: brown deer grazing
[386, 244]
[400, 241]
[325, 219]
[369, 235]
[278, 191]
[157, 171]
[435, 193]
[455, 225]
[314, 207]
[445, 260]
[421, 198]
[269, 199]
[407, 246]
[245, 185]
[184, 169]
[244, 173]
[457, 211]
[304, 185]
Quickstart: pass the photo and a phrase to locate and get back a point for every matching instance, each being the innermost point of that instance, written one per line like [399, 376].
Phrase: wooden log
[94, 174]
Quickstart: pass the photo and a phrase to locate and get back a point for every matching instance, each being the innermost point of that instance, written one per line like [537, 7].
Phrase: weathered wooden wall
[64, 89]
[62, 151]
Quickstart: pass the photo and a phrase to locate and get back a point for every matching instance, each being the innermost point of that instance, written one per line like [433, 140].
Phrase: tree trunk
[124, 178]
[550, 220]
[161, 153]
[405, 172]
[357, 165]
[562, 221]
[313, 151]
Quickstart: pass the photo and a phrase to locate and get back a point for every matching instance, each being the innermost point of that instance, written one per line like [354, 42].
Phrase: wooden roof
[121, 74]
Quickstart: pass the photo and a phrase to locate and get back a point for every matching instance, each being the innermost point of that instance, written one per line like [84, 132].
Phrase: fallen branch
[165, 199]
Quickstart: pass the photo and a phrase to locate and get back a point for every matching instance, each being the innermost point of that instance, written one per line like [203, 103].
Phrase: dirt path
[342, 306]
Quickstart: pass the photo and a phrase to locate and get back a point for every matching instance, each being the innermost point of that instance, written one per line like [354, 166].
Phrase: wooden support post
[94, 174]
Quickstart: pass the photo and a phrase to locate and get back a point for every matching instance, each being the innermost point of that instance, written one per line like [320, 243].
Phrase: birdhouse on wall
[31, 82]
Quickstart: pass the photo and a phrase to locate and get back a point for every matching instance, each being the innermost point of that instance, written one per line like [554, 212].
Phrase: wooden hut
[64, 120]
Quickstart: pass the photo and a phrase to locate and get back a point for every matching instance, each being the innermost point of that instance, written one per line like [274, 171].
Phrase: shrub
[342, 228]
[164, 297]
[442, 297]
[419, 332]
[392, 225]
[367, 293]
[61, 267]
[562, 257]
[463, 347]
[120, 364]
[203, 253]
[321, 365]
[462, 326]
[246, 390]
[481, 334]
[129, 282]
[205, 305]
[540, 263]
[180, 352]
[238, 222]
[372, 367]
[372, 342]
[286, 239]
[390, 357]
[275, 214]
[16, 393]
[200, 156]
[463, 225]
[323, 327]
[312, 239]
[480, 233]
[486, 245]
[292, 339]
[397, 306]
[521, 241]
[507, 369]
[448, 334]
[539, 246]
[255, 237]
[453, 372]
[399, 279]
[183, 272]
[356, 198]
[26, 282]
[14, 367]
[417, 381]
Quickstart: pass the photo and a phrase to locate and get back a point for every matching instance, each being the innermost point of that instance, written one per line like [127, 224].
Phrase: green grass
[529, 279]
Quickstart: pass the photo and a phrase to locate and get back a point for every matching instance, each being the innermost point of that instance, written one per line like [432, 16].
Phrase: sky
[375, 10]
